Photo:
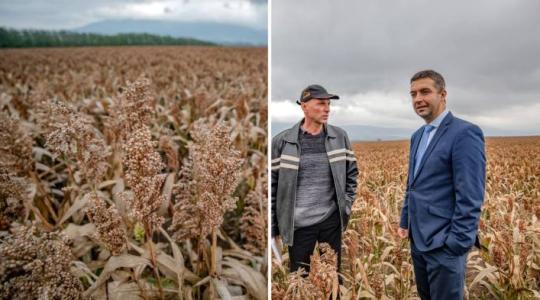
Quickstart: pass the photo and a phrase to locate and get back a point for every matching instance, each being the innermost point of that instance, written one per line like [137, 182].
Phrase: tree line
[13, 38]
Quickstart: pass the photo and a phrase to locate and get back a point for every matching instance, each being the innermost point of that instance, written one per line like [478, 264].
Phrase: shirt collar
[304, 132]
[437, 122]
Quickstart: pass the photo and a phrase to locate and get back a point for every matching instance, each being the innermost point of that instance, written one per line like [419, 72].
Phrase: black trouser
[305, 238]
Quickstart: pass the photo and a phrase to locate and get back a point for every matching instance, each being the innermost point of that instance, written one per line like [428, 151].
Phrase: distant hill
[361, 132]
[373, 133]
[12, 38]
[220, 33]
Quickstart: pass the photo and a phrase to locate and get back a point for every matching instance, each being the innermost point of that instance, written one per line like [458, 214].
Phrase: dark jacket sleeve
[274, 184]
[352, 175]
[469, 173]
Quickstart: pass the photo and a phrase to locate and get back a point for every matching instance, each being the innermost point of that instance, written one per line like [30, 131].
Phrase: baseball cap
[315, 91]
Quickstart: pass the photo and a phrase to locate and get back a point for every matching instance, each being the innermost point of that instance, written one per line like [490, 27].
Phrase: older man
[445, 191]
[313, 180]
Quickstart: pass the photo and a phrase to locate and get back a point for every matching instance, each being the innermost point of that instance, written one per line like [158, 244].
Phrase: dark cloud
[487, 50]
[69, 14]
[54, 14]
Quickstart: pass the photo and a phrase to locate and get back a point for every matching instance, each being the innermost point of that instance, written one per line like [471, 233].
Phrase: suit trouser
[439, 273]
[305, 238]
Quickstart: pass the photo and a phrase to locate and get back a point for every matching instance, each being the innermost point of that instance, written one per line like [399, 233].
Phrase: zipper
[335, 183]
[294, 191]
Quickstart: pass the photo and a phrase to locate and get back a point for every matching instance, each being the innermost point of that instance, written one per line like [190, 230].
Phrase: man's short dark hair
[436, 77]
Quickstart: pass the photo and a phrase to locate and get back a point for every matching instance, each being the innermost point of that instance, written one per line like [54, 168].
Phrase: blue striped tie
[422, 147]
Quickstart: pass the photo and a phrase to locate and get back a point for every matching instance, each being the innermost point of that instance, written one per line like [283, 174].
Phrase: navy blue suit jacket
[443, 201]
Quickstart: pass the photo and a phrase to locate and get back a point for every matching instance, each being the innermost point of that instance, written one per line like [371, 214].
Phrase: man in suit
[445, 191]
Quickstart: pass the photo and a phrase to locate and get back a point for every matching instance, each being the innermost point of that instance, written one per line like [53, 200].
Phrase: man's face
[428, 102]
[317, 110]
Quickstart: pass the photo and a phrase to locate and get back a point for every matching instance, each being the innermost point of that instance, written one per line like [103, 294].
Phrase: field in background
[376, 263]
[134, 172]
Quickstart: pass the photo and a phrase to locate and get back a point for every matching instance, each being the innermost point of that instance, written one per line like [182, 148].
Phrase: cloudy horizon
[66, 14]
[367, 51]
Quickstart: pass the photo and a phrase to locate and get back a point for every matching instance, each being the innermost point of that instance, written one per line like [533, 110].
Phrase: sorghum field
[376, 263]
[133, 173]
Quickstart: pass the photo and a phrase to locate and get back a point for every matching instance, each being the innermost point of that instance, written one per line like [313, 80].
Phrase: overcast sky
[68, 14]
[366, 52]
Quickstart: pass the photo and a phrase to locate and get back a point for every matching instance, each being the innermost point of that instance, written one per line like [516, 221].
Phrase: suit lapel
[440, 132]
